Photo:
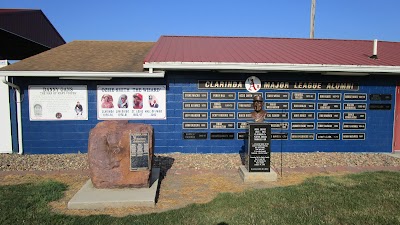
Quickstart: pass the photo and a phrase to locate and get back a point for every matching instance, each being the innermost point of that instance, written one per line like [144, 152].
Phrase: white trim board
[5, 131]
[323, 68]
[82, 75]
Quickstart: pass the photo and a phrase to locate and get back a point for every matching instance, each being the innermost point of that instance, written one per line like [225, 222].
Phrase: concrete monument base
[248, 177]
[89, 197]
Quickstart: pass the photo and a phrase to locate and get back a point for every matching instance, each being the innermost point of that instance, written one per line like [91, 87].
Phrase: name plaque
[303, 105]
[380, 106]
[244, 116]
[326, 136]
[301, 116]
[223, 115]
[277, 96]
[280, 126]
[245, 105]
[354, 116]
[353, 136]
[195, 105]
[199, 125]
[328, 106]
[301, 136]
[242, 125]
[355, 97]
[334, 97]
[215, 136]
[328, 126]
[194, 135]
[223, 95]
[248, 96]
[139, 151]
[329, 116]
[259, 152]
[303, 126]
[195, 95]
[222, 125]
[222, 105]
[273, 116]
[276, 105]
[196, 115]
[354, 126]
[279, 136]
[242, 135]
[354, 106]
[380, 97]
[303, 96]
[274, 126]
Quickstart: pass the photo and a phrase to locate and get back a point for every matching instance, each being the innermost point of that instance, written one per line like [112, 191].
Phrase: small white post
[375, 47]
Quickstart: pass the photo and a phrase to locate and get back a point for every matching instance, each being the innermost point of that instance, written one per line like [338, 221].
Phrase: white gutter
[19, 115]
[80, 74]
[272, 67]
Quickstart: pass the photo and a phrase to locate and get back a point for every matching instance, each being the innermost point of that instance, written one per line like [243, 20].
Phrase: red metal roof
[272, 50]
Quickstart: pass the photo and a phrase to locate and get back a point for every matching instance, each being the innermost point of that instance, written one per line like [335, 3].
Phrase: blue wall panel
[42, 137]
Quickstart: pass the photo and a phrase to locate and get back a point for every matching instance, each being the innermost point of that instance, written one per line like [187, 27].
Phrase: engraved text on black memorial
[259, 151]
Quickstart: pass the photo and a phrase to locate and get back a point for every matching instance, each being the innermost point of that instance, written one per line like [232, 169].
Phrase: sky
[133, 20]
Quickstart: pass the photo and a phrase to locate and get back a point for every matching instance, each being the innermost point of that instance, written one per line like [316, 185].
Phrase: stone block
[249, 177]
[109, 155]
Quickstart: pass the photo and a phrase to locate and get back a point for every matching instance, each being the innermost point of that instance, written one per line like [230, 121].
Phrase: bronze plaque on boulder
[139, 151]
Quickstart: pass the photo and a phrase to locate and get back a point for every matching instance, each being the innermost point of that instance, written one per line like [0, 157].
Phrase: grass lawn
[365, 198]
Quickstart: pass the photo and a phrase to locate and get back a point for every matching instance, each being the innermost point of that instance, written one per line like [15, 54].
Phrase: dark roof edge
[51, 24]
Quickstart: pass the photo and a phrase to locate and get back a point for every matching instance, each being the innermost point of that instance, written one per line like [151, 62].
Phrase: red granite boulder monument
[120, 154]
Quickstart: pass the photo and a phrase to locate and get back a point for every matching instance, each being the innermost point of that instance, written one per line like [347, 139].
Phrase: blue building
[320, 95]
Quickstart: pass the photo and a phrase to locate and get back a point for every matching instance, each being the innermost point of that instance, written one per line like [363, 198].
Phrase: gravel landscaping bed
[56, 162]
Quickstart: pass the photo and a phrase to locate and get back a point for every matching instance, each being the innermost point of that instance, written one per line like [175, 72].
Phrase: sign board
[131, 102]
[58, 102]
[258, 149]
[139, 151]
[194, 135]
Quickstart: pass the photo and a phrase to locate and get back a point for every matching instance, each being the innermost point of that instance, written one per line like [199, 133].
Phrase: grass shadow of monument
[242, 154]
[164, 163]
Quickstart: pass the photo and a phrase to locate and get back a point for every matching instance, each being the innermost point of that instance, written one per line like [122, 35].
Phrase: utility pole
[312, 19]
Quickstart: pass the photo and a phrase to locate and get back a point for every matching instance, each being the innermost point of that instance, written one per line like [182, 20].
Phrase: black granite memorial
[258, 154]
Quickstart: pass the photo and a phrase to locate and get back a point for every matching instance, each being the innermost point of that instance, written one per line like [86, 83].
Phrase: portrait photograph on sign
[133, 102]
[58, 102]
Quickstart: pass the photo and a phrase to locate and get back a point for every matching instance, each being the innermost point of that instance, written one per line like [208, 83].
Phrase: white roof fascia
[273, 67]
[157, 74]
